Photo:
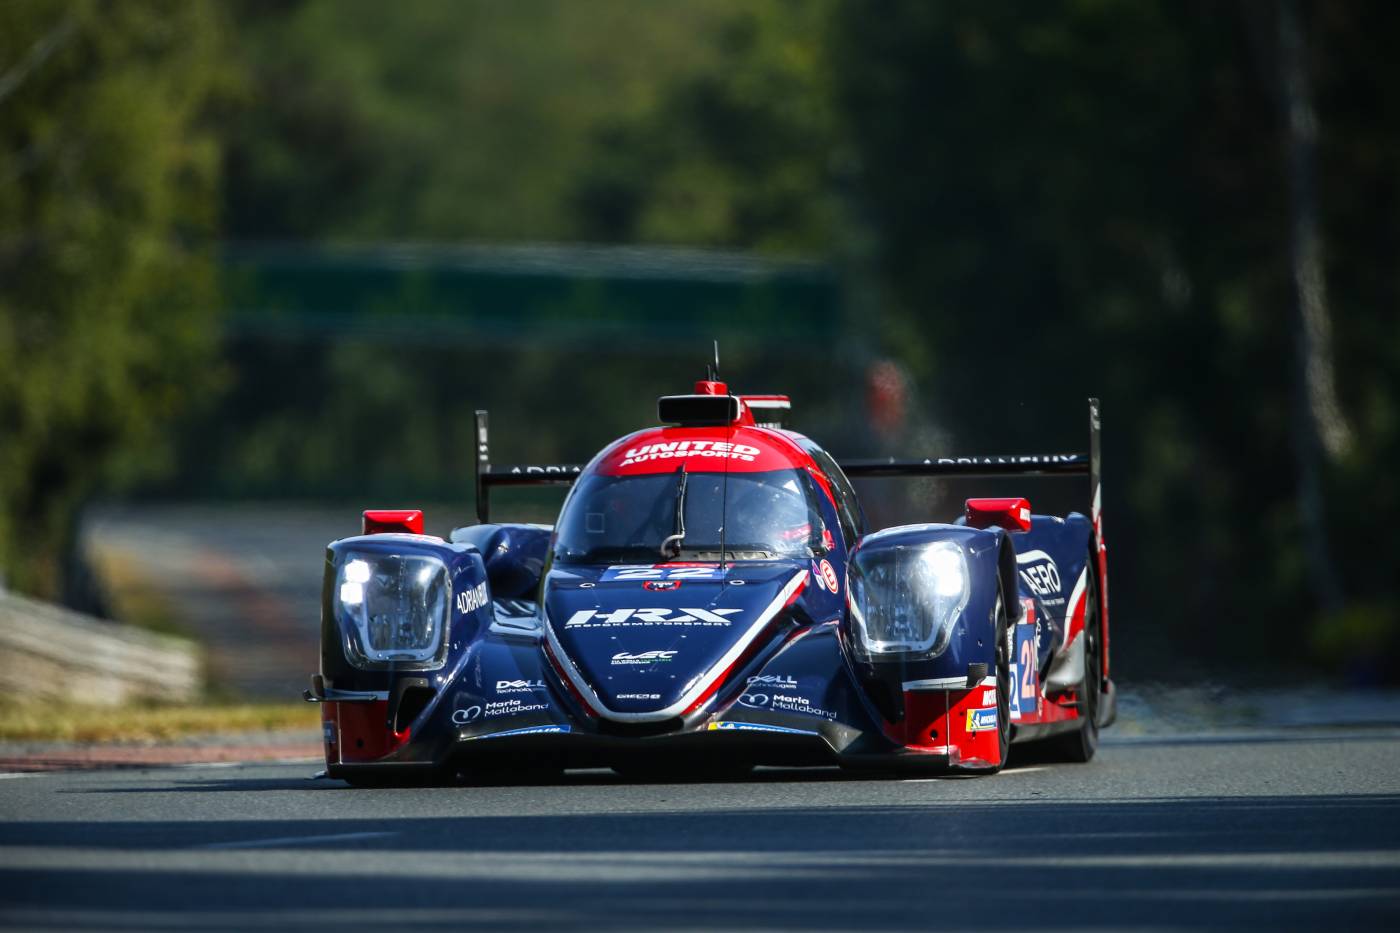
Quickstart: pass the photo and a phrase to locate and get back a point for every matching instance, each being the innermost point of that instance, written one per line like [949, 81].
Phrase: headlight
[392, 609]
[904, 600]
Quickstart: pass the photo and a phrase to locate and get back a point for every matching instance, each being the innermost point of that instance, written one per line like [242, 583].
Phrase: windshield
[625, 518]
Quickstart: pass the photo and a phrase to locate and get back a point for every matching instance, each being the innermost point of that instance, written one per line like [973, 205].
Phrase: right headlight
[905, 599]
[392, 609]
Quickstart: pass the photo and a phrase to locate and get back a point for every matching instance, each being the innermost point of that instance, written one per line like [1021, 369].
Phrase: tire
[1005, 639]
[1079, 746]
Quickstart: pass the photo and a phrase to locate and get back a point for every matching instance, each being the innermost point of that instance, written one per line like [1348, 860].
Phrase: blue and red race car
[709, 600]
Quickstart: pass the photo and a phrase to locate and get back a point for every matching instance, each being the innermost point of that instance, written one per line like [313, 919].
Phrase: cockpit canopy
[687, 514]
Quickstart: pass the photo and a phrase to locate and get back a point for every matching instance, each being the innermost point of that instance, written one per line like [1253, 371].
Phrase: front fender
[972, 639]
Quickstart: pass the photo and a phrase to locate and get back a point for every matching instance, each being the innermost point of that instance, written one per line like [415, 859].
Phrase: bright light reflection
[352, 593]
[357, 571]
[945, 565]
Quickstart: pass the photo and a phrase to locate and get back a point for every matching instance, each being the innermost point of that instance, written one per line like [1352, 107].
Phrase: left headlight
[392, 609]
[904, 600]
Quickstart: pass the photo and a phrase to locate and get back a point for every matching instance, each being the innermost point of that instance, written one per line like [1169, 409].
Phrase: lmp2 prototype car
[709, 600]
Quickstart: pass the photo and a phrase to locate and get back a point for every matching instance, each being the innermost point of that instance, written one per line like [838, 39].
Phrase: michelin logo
[981, 720]
[732, 726]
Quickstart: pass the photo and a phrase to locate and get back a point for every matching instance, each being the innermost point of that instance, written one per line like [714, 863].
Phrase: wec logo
[644, 657]
[650, 617]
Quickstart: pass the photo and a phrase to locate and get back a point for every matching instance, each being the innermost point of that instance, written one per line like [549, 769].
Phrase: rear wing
[1064, 464]
[516, 474]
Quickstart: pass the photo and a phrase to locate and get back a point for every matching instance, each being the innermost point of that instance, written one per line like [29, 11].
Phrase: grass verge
[148, 723]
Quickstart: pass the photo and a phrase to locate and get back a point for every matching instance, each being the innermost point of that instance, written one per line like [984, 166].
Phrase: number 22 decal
[1027, 672]
[661, 573]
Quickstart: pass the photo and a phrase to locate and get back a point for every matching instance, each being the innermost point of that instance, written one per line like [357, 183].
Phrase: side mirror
[1011, 514]
[393, 521]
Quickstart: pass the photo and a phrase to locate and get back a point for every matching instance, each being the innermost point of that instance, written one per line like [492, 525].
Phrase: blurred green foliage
[107, 208]
[442, 119]
[1098, 194]
[1026, 204]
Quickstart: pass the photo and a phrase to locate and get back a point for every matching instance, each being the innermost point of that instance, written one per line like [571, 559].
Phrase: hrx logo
[650, 617]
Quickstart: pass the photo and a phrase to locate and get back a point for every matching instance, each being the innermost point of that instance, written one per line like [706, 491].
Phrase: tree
[107, 206]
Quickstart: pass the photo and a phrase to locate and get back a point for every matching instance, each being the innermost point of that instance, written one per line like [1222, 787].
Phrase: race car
[710, 599]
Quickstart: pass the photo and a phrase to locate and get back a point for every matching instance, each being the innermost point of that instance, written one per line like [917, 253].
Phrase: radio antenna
[714, 367]
[724, 490]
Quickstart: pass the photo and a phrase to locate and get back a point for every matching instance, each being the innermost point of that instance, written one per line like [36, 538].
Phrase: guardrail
[47, 652]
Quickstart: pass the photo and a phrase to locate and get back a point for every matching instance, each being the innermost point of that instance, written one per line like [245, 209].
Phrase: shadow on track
[1237, 861]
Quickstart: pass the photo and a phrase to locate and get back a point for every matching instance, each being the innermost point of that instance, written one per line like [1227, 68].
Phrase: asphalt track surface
[1284, 829]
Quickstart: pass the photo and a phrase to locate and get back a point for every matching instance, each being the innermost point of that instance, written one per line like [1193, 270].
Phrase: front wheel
[1005, 641]
[1005, 649]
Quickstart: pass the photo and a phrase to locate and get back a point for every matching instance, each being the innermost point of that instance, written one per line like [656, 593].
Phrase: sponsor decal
[643, 657]
[639, 696]
[989, 697]
[545, 470]
[519, 686]
[794, 703]
[654, 572]
[328, 730]
[981, 720]
[528, 730]
[1040, 573]
[470, 600]
[661, 586]
[685, 449]
[495, 709]
[754, 727]
[783, 702]
[645, 617]
[774, 680]
[981, 461]
[511, 707]
[826, 577]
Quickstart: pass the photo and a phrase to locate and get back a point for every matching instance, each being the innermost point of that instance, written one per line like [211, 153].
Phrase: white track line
[292, 840]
